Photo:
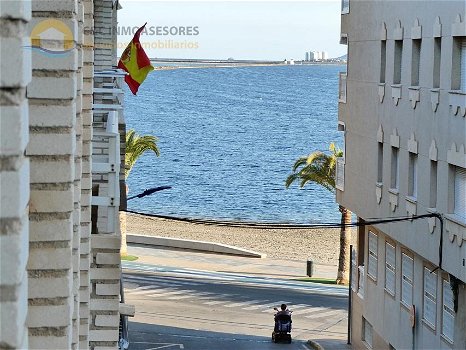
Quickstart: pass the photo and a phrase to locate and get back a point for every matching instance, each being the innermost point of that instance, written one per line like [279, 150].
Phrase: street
[186, 308]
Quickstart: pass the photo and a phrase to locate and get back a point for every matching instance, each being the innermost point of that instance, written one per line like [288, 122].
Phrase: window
[344, 7]
[367, 332]
[390, 262]
[463, 65]
[412, 175]
[448, 313]
[394, 172]
[415, 61]
[380, 162]
[407, 266]
[460, 192]
[458, 77]
[372, 256]
[397, 62]
[383, 60]
[437, 60]
[430, 297]
[433, 184]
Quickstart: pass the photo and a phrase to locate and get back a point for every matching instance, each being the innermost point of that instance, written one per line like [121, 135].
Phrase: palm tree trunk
[345, 238]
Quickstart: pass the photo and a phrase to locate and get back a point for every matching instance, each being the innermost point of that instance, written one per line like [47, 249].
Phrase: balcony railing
[107, 107]
[342, 88]
[340, 174]
[344, 7]
[354, 271]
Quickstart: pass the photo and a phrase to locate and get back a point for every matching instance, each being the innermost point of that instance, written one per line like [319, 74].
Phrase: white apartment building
[402, 108]
[315, 56]
[60, 106]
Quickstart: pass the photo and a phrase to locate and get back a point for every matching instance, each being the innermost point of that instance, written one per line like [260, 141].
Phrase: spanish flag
[135, 61]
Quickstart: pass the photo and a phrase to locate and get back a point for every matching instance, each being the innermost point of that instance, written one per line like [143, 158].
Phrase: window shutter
[372, 263]
[354, 271]
[463, 65]
[448, 315]
[430, 296]
[460, 192]
[390, 268]
[367, 333]
[407, 280]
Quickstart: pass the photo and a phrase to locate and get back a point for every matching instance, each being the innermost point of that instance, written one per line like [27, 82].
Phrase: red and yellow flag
[134, 60]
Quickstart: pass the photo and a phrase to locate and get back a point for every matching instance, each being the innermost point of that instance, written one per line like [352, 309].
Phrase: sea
[228, 139]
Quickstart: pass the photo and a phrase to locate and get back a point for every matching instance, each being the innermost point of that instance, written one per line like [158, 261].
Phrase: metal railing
[340, 174]
[123, 339]
[361, 281]
[342, 87]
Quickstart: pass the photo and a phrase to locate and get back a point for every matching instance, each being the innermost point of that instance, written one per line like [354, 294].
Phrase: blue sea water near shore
[228, 139]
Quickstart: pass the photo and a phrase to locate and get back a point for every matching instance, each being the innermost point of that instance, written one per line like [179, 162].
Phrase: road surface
[181, 308]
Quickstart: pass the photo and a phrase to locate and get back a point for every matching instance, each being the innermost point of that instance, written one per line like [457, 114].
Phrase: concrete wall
[47, 299]
[426, 122]
[367, 118]
[15, 74]
[52, 149]
[390, 318]
[86, 180]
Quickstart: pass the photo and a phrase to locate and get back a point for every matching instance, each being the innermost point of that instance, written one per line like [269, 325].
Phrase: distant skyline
[269, 30]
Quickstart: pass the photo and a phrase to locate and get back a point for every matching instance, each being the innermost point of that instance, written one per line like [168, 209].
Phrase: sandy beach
[319, 245]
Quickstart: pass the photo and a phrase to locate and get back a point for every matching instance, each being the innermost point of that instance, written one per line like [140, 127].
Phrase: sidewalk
[265, 267]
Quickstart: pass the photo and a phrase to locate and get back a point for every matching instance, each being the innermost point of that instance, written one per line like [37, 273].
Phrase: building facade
[60, 106]
[315, 55]
[402, 109]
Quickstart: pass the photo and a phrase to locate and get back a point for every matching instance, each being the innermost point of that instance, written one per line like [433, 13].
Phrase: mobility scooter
[282, 331]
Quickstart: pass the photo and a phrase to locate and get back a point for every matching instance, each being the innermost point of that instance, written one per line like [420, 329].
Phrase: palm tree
[136, 146]
[320, 168]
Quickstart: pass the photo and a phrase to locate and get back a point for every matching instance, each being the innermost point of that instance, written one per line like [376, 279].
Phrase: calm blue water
[228, 139]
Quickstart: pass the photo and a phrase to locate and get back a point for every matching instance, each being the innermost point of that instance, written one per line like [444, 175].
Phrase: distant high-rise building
[315, 55]
[324, 55]
[307, 56]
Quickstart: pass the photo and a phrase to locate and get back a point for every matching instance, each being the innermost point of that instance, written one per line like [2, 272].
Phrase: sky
[269, 30]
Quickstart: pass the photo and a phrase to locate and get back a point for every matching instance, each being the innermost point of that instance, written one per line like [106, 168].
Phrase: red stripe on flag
[132, 84]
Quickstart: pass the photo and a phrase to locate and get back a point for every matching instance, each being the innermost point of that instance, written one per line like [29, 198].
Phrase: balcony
[340, 174]
[342, 88]
[108, 109]
[345, 7]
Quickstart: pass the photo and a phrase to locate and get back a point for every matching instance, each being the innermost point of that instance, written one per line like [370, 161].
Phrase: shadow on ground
[143, 336]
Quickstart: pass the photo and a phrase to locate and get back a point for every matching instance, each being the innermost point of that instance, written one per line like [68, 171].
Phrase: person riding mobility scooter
[282, 331]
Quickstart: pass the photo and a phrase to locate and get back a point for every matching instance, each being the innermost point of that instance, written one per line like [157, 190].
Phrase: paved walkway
[266, 267]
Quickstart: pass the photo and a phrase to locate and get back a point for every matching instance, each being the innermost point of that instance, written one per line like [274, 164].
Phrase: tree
[320, 168]
[136, 146]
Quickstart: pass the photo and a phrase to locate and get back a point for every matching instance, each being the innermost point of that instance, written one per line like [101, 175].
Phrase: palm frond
[136, 146]
[317, 167]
